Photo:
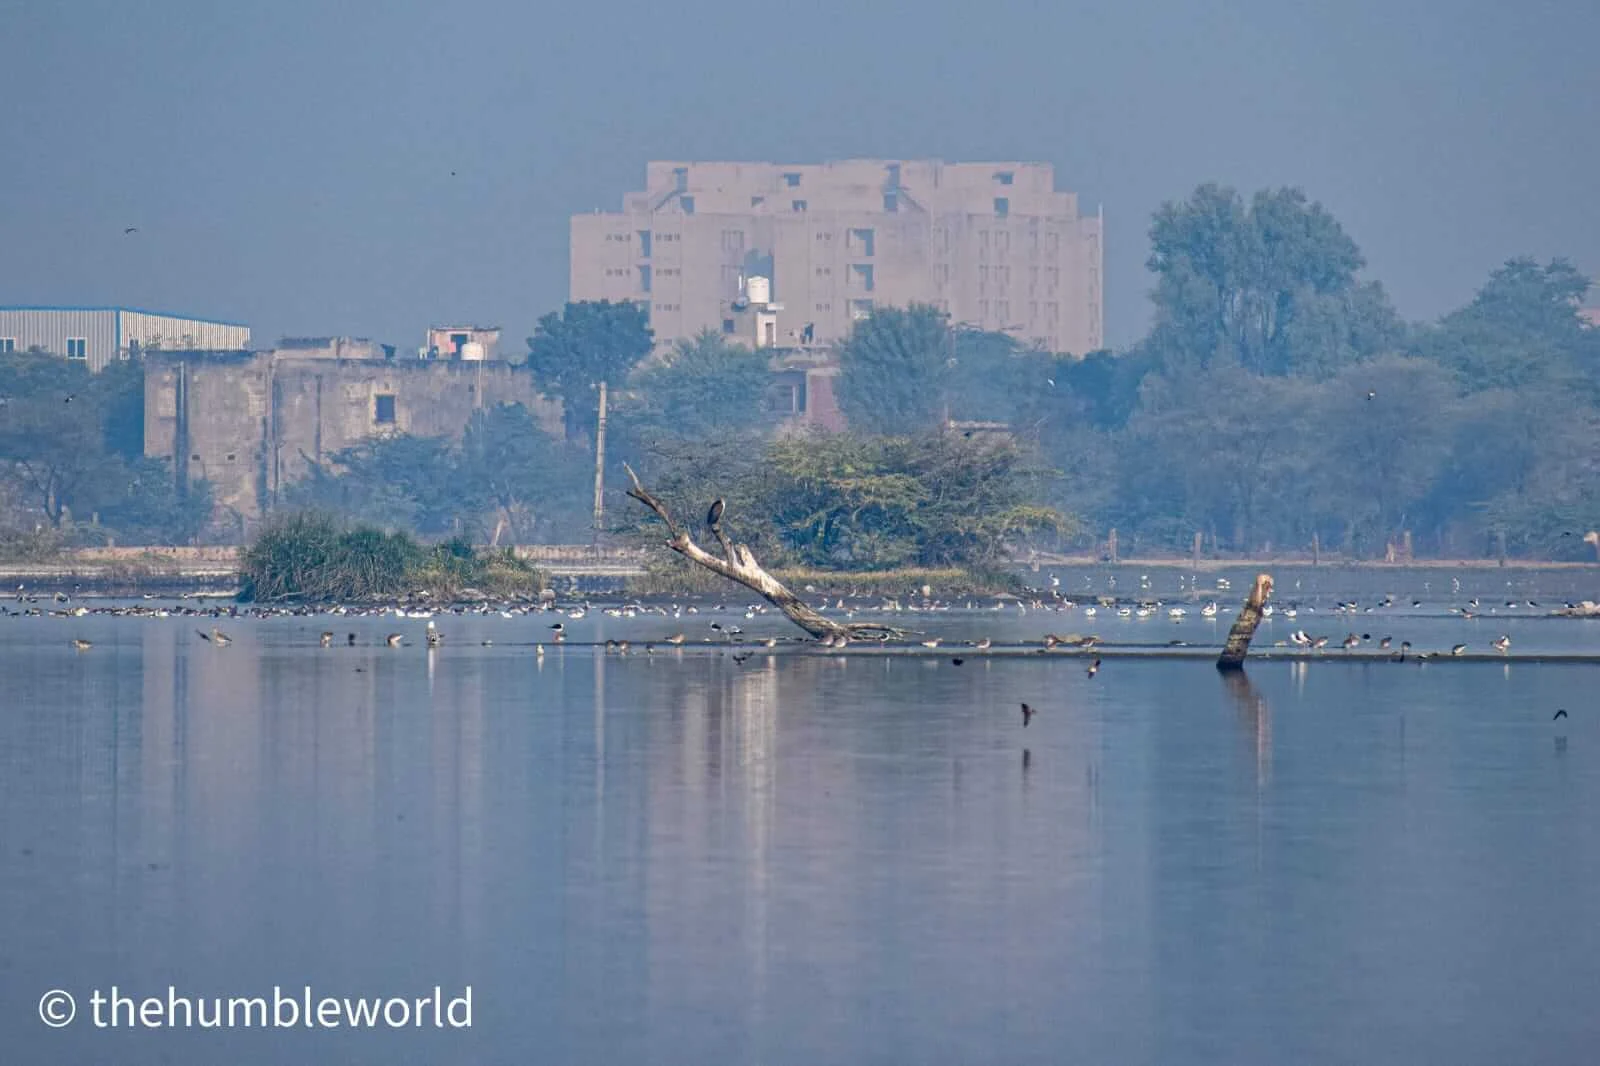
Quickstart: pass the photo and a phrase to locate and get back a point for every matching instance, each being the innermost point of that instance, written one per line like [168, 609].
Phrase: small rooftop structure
[470, 343]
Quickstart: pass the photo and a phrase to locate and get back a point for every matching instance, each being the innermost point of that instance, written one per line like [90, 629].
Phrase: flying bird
[130, 229]
[1027, 715]
[216, 636]
[1559, 715]
[714, 516]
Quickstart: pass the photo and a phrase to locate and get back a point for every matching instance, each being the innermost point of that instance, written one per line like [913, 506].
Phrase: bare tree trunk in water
[1244, 627]
[739, 565]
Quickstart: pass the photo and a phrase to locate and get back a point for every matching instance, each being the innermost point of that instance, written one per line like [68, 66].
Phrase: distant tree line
[1277, 400]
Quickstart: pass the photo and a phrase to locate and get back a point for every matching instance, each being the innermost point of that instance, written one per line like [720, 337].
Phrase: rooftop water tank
[472, 351]
[759, 289]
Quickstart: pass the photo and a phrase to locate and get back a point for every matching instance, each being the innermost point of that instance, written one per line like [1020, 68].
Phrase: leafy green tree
[1270, 286]
[1521, 328]
[895, 371]
[705, 386]
[400, 482]
[587, 343]
[530, 480]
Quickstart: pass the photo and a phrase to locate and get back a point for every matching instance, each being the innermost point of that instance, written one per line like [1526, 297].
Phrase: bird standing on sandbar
[1501, 645]
[1459, 649]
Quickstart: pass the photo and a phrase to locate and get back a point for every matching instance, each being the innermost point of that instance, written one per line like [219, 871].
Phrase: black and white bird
[1094, 668]
[1502, 644]
[1459, 649]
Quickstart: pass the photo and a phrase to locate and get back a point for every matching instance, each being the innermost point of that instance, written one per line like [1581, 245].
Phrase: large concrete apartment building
[994, 245]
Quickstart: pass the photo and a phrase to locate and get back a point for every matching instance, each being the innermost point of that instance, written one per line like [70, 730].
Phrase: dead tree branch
[739, 565]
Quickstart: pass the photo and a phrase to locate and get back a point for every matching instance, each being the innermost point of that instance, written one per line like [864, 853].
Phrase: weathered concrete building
[99, 335]
[252, 423]
[994, 245]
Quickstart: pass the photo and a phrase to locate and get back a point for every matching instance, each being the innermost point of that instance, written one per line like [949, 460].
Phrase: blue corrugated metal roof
[133, 310]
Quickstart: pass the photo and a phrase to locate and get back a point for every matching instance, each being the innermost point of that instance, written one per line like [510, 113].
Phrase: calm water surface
[678, 859]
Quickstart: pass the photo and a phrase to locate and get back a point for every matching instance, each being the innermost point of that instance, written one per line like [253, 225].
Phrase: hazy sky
[288, 162]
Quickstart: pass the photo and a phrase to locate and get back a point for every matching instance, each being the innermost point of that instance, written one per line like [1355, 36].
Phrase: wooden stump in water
[1244, 627]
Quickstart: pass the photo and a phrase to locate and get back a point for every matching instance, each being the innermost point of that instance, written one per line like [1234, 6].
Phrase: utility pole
[600, 465]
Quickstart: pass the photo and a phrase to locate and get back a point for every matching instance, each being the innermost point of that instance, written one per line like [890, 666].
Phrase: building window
[680, 177]
[757, 201]
[733, 240]
[860, 242]
[644, 244]
[891, 202]
[644, 279]
[77, 348]
[727, 325]
[792, 179]
[383, 409]
[1002, 206]
[458, 341]
[861, 275]
[687, 203]
[1002, 275]
[798, 205]
[860, 308]
[1004, 177]
[7, 345]
[1002, 311]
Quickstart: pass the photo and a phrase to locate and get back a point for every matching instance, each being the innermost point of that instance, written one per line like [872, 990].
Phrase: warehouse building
[99, 335]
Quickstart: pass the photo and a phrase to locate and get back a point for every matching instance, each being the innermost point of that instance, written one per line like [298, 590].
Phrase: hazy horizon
[291, 167]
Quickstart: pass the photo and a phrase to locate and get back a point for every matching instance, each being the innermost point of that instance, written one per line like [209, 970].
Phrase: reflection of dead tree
[1244, 627]
[739, 564]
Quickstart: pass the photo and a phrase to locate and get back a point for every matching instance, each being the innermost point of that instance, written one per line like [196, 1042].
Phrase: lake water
[807, 858]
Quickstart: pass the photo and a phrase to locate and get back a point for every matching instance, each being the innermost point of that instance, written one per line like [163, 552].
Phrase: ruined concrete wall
[255, 423]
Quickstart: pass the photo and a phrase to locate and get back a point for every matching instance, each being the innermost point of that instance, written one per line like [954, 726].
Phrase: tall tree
[587, 343]
[895, 370]
[1271, 286]
[705, 386]
[1522, 327]
[511, 467]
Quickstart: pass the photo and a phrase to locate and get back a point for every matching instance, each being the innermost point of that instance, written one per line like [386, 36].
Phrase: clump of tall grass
[308, 556]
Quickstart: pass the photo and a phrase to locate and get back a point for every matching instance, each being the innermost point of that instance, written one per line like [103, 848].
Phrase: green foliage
[866, 503]
[704, 386]
[895, 371]
[507, 474]
[587, 343]
[307, 556]
[71, 449]
[1270, 286]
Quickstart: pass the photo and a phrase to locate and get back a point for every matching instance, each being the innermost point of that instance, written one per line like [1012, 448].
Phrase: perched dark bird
[714, 516]
[1027, 715]
[957, 661]
[1559, 714]
[1094, 668]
